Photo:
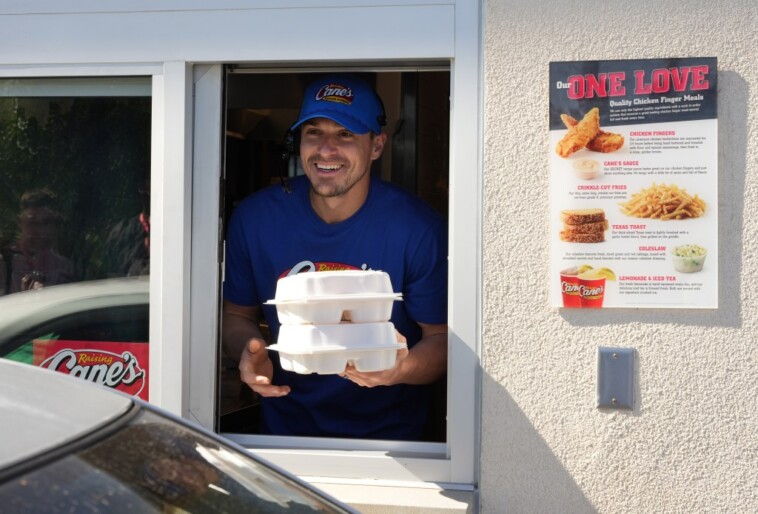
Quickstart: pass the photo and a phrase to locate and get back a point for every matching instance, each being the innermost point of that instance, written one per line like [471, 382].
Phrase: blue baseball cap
[346, 100]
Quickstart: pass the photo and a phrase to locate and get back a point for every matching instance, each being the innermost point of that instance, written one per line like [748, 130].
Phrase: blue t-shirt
[273, 233]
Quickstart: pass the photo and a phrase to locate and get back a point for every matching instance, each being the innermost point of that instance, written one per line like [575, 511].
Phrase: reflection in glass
[75, 187]
[74, 209]
[32, 260]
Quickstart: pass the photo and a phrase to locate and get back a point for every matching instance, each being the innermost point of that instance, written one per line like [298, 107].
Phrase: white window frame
[168, 235]
[453, 464]
[171, 173]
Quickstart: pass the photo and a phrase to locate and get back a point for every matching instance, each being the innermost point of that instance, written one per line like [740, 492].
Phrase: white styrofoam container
[330, 361]
[340, 336]
[311, 308]
[360, 296]
[358, 309]
[327, 284]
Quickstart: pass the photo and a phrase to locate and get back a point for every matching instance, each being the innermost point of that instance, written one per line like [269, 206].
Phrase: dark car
[67, 445]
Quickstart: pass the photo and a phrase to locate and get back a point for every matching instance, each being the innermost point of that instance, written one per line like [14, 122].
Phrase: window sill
[366, 460]
[397, 498]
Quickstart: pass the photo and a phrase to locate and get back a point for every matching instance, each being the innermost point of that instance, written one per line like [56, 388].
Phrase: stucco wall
[691, 443]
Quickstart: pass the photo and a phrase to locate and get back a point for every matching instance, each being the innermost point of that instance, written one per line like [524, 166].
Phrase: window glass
[75, 221]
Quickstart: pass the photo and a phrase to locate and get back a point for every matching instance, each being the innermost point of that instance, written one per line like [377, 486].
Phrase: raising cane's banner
[634, 183]
[121, 366]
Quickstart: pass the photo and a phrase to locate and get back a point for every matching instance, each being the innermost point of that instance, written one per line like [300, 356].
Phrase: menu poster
[634, 183]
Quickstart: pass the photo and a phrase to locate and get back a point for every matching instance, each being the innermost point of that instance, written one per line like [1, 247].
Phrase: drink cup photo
[592, 284]
[592, 292]
[570, 288]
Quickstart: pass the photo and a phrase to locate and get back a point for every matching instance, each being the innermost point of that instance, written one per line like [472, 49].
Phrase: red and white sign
[121, 366]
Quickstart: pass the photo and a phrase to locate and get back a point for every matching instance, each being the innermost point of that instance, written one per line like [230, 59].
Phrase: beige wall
[691, 444]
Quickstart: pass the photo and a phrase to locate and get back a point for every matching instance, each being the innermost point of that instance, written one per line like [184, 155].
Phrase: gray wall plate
[615, 378]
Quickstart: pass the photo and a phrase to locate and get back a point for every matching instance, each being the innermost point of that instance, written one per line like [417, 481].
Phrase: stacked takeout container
[332, 318]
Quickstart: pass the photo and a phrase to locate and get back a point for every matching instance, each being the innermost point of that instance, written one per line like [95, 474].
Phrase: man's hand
[376, 378]
[423, 364]
[242, 336]
[256, 370]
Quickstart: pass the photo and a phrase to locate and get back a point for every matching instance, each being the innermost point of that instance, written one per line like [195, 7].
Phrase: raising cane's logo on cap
[335, 93]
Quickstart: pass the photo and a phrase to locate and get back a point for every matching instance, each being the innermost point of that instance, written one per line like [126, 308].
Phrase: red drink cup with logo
[591, 290]
[570, 288]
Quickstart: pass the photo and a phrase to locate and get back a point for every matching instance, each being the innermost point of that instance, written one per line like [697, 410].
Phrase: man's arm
[243, 341]
[239, 325]
[423, 364]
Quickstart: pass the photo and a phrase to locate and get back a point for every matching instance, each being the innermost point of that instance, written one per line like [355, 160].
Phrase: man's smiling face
[335, 159]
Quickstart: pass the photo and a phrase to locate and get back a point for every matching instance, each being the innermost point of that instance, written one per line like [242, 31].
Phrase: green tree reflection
[92, 152]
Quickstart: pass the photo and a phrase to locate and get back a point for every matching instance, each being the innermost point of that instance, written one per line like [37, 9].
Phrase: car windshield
[154, 465]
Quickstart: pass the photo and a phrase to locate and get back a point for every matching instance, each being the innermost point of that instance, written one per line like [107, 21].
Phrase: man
[33, 261]
[127, 248]
[338, 216]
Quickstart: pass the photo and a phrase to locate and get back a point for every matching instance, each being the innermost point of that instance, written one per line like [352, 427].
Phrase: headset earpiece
[382, 118]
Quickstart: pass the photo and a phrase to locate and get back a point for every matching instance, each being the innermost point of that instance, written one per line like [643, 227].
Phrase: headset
[382, 118]
[291, 143]
[291, 148]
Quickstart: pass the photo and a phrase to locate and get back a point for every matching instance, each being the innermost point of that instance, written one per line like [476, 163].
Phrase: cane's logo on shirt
[311, 266]
[335, 93]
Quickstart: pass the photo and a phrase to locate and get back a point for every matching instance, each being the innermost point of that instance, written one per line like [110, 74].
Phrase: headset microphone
[382, 118]
[289, 144]
[289, 151]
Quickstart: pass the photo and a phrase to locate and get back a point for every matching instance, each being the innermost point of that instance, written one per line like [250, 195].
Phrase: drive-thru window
[260, 107]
